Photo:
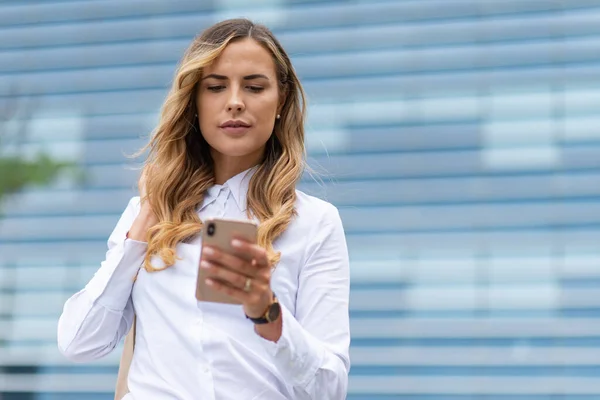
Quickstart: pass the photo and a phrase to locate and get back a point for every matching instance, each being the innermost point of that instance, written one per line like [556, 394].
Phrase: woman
[230, 143]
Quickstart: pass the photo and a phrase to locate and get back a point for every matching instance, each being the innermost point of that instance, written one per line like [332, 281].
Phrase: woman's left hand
[247, 281]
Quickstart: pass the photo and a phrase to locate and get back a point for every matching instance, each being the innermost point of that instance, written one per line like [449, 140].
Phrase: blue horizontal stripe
[37, 2]
[581, 283]
[328, 78]
[509, 343]
[483, 313]
[29, 342]
[433, 128]
[477, 370]
[564, 172]
[565, 228]
[373, 286]
[165, 13]
[351, 396]
[588, 145]
[60, 369]
[355, 285]
[60, 396]
[206, 12]
[450, 396]
[370, 206]
[401, 149]
[475, 396]
[443, 314]
[581, 312]
[362, 370]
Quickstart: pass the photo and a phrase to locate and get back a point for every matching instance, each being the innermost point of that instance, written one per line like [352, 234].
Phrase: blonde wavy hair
[179, 168]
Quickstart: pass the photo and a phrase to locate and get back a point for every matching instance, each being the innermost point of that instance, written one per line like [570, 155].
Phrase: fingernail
[204, 265]
[209, 251]
[236, 243]
[209, 282]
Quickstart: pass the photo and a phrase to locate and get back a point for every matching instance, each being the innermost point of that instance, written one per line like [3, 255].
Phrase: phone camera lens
[210, 229]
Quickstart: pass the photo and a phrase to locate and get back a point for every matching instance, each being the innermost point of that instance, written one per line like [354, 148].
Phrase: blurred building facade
[459, 139]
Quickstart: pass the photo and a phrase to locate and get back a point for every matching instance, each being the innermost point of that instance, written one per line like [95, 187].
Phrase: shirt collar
[238, 185]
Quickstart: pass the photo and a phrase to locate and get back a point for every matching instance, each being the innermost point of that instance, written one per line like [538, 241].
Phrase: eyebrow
[246, 78]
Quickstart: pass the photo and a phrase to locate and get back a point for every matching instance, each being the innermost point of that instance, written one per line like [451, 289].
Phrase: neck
[227, 167]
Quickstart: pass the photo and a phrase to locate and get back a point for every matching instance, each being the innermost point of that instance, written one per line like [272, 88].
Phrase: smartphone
[219, 233]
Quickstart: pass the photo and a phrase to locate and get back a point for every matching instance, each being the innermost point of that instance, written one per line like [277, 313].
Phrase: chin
[233, 150]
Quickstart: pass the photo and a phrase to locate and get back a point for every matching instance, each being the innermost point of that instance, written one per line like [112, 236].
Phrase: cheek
[207, 114]
[266, 124]
[267, 110]
[204, 107]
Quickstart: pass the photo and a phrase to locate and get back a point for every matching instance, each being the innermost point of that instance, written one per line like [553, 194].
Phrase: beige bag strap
[121, 388]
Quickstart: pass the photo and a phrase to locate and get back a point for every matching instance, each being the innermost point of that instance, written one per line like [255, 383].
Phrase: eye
[215, 88]
[256, 89]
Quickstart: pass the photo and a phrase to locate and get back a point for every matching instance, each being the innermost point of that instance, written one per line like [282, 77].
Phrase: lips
[235, 128]
[235, 124]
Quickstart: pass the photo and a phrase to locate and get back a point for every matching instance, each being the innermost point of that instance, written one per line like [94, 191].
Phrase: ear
[283, 93]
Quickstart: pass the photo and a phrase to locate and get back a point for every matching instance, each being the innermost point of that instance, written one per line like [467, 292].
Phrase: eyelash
[254, 89]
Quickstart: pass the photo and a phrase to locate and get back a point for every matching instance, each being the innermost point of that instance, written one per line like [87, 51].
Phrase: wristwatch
[271, 313]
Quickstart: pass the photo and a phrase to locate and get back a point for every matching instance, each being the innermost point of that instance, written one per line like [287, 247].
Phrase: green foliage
[17, 172]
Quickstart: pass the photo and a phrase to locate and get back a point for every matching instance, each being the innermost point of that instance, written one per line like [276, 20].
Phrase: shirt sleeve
[95, 319]
[312, 353]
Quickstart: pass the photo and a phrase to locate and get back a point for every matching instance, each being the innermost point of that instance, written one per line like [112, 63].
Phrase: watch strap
[264, 318]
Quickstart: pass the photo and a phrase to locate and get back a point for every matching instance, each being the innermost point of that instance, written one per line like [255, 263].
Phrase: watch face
[274, 312]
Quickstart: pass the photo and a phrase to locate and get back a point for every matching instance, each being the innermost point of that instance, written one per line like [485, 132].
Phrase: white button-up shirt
[191, 350]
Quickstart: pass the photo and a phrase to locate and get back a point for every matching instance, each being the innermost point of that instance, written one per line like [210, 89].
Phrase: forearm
[313, 351]
[88, 331]
[313, 369]
[94, 319]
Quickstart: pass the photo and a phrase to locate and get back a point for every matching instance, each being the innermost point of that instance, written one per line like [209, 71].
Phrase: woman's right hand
[146, 219]
[142, 184]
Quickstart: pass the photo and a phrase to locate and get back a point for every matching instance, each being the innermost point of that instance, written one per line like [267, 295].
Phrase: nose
[235, 103]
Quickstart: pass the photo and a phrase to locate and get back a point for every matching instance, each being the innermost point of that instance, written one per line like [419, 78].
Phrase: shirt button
[206, 370]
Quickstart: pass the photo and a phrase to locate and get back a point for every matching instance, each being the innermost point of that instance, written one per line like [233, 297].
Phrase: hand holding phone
[219, 233]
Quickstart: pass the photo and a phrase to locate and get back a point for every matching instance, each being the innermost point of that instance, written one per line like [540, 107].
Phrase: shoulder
[134, 204]
[318, 227]
[132, 209]
[128, 215]
[315, 211]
